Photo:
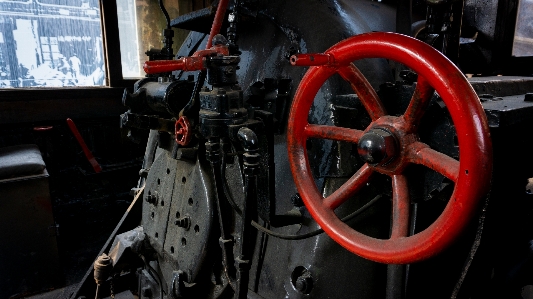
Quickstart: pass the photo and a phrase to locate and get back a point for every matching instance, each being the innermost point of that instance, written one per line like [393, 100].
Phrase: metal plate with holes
[191, 218]
[157, 199]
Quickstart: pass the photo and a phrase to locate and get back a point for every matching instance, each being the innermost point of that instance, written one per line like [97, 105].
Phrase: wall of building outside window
[523, 39]
[141, 24]
[50, 43]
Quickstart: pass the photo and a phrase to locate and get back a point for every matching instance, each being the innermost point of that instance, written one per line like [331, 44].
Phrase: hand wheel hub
[377, 147]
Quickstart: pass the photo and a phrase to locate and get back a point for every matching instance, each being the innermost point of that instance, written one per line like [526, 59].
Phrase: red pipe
[97, 168]
[217, 22]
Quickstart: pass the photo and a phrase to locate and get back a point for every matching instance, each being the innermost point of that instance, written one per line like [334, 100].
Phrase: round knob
[377, 146]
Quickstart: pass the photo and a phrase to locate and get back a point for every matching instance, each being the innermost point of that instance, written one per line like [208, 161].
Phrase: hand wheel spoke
[419, 103]
[366, 93]
[400, 207]
[441, 163]
[333, 133]
[350, 188]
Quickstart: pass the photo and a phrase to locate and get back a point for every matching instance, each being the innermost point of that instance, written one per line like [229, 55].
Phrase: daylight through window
[50, 43]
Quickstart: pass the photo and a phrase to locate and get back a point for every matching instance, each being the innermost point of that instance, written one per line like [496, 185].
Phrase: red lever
[163, 66]
[312, 59]
[97, 168]
[195, 62]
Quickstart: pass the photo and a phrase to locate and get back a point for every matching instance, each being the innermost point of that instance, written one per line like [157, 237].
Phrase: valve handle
[394, 137]
[183, 131]
[195, 62]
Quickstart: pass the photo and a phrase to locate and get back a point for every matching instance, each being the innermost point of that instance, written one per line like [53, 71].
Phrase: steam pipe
[251, 158]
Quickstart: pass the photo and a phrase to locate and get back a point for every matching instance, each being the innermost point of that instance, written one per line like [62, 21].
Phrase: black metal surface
[395, 282]
[251, 159]
[500, 86]
[137, 121]
[221, 107]
[507, 111]
[153, 102]
[159, 95]
[199, 20]
[272, 95]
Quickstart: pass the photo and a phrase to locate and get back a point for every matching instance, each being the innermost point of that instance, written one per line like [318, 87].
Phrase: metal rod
[217, 22]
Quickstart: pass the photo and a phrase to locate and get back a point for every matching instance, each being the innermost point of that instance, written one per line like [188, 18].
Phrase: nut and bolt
[184, 222]
[304, 283]
[152, 198]
[377, 146]
[297, 201]
[143, 173]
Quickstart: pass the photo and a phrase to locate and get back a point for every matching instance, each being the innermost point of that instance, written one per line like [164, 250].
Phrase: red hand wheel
[183, 131]
[390, 144]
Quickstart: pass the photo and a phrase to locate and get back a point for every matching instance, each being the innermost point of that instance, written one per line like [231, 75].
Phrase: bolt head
[219, 39]
[184, 222]
[304, 284]
[377, 147]
[152, 198]
[297, 201]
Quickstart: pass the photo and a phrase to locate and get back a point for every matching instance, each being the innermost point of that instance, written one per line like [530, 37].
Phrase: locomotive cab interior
[266, 149]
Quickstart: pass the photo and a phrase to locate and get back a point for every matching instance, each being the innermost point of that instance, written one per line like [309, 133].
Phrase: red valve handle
[195, 62]
[183, 131]
[471, 174]
[163, 66]
[312, 59]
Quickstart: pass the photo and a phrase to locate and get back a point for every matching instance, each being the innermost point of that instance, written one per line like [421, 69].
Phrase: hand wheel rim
[473, 137]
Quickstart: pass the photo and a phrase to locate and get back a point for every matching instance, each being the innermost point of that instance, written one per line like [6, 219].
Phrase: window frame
[110, 37]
